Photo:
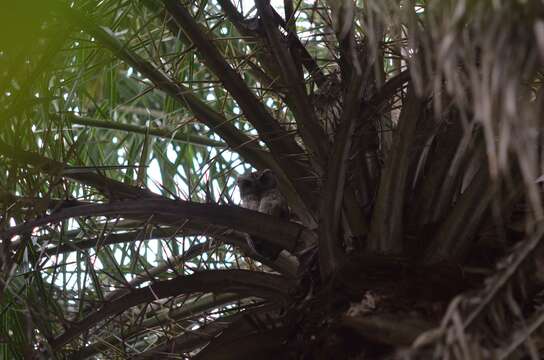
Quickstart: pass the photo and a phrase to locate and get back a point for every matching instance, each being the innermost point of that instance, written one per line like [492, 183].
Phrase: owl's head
[248, 184]
[256, 182]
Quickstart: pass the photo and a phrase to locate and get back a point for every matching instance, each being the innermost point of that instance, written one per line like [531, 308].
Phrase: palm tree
[405, 136]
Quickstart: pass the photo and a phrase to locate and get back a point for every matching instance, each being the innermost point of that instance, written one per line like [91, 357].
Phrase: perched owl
[259, 191]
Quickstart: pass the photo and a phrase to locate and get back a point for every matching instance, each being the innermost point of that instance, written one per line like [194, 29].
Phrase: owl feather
[259, 192]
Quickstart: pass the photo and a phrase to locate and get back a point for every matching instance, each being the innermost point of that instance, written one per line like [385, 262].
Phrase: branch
[188, 254]
[281, 144]
[243, 282]
[386, 328]
[149, 274]
[254, 330]
[247, 345]
[238, 21]
[186, 342]
[162, 133]
[284, 264]
[256, 42]
[307, 124]
[117, 190]
[343, 13]
[330, 251]
[386, 227]
[455, 236]
[116, 238]
[171, 212]
[237, 140]
[167, 316]
[191, 340]
[85, 175]
[336, 192]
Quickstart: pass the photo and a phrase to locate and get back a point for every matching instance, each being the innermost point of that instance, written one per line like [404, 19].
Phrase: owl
[259, 192]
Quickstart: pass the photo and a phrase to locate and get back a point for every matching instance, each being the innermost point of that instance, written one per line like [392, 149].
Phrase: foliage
[405, 136]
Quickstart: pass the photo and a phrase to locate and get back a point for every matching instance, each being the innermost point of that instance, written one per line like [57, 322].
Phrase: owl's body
[273, 203]
[251, 202]
[259, 192]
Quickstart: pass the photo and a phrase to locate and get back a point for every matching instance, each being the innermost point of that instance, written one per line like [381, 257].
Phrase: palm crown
[404, 136]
